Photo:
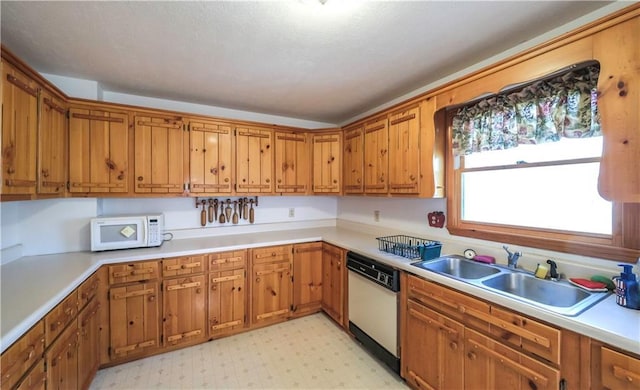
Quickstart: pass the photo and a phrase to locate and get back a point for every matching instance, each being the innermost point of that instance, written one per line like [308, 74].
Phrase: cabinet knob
[453, 345]
[471, 356]
[152, 298]
[140, 178]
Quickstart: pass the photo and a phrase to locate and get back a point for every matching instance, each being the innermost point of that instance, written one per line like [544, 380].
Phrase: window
[525, 166]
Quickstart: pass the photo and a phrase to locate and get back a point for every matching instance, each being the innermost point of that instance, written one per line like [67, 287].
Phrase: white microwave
[127, 231]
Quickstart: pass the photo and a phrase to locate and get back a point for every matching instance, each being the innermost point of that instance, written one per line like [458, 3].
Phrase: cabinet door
[211, 157]
[134, 320]
[616, 48]
[443, 338]
[353, 160]
[307, 278]
[404, 151]
[88, 344]
[98, 151]
[227, 301]
[491, 365]
[62, 360]
[52, 145]
[160, 162]
[271, 292]
[333, 279]
[184, 309]
[292, 163]
[376, 157]
[327, 164]
[19, 132]
[21, 355]
[254, 160]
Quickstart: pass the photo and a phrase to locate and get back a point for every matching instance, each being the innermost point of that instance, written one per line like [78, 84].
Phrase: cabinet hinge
[109, 351]
[68, 114]
[563, 384]
[68, 186]
[186, 186]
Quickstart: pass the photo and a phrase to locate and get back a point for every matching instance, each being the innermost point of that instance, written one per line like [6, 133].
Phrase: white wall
[62, 225]
[47, 226]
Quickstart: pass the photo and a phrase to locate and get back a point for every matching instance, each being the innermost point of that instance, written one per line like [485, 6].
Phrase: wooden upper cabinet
[52, 145]
[327, 163]
[376, 157]
[404, 151]
[254, 160]
[98, 150]
[618, 52]
[160, 155]
[19, 132]
[353, 156]
[292, 163]
[210, 157]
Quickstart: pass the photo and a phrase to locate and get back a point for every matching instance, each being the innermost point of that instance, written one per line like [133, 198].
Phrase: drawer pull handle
[183, 286]
[626, 375]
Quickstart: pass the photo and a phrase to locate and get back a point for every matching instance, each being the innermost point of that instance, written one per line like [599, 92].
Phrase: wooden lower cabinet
[271, 285]
[334, 277]
[307, 278]
[134, 322]
[88, 343]
[227, 301]
[184, 314]
[455, 341]
[62, 360]
[228, 293]
[434, 356]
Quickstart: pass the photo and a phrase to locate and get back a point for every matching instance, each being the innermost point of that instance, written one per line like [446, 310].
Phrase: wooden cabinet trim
[22, 85]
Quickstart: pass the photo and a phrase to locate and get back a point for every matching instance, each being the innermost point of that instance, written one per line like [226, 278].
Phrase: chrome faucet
[512, 257]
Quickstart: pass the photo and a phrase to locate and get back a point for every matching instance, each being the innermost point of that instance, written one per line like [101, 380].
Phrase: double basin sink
[556, 296]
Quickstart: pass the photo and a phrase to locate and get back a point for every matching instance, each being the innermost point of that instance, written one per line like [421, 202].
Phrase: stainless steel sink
[458, 267]
[559, 297]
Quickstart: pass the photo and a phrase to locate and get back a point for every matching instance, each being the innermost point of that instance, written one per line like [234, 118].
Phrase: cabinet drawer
[619, 371]
[88, 289]
[17, 359]
[491, 365]
[523, 332]
[227, 260]
[34, 380]
[474, 312]
[60, 317]
[272, 254]
[180, 266]
[133, 272]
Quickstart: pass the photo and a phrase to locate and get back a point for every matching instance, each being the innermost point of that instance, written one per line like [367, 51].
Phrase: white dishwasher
[373, 307]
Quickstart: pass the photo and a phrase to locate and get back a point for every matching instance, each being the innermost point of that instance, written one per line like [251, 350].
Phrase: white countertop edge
[591, 323]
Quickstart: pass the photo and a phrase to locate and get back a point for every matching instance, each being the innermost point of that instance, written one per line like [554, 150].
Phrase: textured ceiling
[298, 59]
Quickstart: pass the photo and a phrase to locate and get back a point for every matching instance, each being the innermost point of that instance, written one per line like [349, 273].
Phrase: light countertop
[32, 286]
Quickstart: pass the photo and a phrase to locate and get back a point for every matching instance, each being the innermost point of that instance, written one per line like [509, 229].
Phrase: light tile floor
[307, 353]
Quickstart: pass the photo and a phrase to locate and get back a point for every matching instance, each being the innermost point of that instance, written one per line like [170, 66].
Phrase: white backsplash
[62, 225]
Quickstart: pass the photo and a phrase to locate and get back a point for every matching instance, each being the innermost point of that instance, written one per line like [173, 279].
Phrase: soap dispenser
[627, 293]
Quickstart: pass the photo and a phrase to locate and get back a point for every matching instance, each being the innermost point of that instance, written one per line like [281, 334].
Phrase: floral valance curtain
[564, 106]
